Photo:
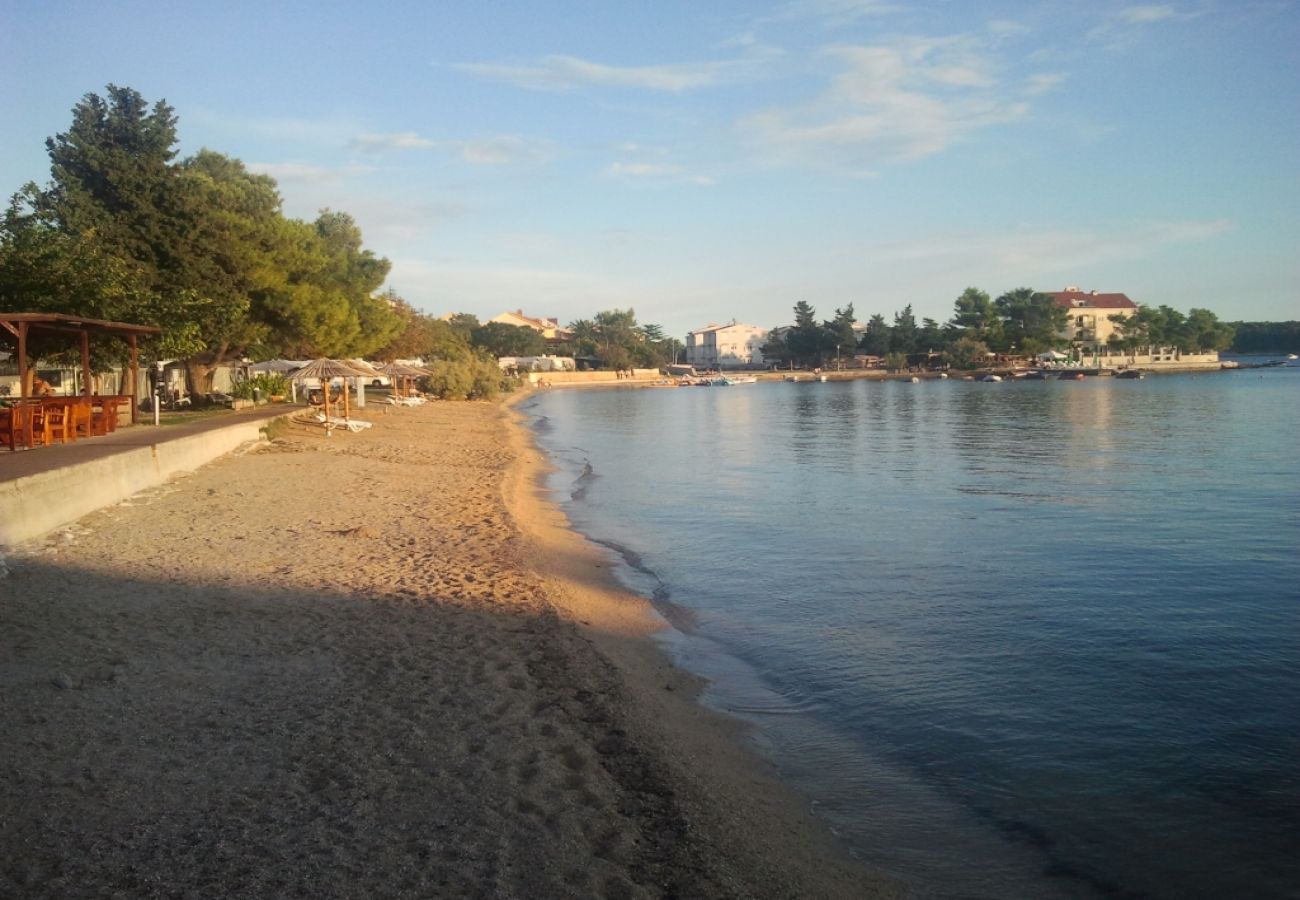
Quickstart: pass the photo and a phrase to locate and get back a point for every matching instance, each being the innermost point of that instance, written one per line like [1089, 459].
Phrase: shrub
[267, 383]
[467, 378]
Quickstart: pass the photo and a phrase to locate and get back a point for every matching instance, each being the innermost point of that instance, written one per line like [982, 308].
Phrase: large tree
[614, 337]
[1031, 322]
[975, 317]
[807, 341]
[200, 247]
[500, 339]
[840, 334]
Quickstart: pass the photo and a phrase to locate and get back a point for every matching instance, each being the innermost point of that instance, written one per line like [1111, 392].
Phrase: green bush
[468, 378]
[267, 383]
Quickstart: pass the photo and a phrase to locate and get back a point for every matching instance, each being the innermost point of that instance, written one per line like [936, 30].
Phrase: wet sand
[375, 664]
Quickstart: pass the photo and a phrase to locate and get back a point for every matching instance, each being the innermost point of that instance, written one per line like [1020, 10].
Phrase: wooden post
[86, 387]
[22, 360]
[135, 380]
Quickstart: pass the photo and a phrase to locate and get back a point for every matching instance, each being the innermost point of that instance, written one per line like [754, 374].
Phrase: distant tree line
[1020, 322]
[1161, 326]
[1266, 337]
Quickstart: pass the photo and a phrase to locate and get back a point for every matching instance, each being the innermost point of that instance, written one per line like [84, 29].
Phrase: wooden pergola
[20, 325]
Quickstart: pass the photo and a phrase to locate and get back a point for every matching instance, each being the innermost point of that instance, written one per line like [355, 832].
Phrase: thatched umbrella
[396, 370]
[326, 370]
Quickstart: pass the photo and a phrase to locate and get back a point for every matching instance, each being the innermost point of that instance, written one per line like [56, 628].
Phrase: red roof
[1091, 299]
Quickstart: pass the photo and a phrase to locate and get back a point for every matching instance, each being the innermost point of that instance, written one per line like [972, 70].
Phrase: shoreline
[786, 849]
[373, 664]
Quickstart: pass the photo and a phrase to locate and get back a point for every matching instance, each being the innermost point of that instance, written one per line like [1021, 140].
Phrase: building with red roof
[1089, 324]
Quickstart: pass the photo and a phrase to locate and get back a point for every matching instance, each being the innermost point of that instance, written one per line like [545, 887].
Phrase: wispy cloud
[564, 73]
[836, 12]
[1141, 15]
[1121, 29]
[1036, 85]
[1034, 252]
[390, 143]
[306, 172]
[891, 103]
[505, 149]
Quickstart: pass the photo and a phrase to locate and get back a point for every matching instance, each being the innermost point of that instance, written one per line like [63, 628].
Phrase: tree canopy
[199, 247]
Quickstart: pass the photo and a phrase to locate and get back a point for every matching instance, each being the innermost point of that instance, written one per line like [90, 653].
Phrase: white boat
[792, 378]
[991, 378]
[741, 379]
[821, 377]
[1292, 356]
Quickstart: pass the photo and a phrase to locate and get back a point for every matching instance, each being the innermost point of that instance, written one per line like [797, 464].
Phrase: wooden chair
[54, 423]
[22, 427]
[79, 419]
[15, 426]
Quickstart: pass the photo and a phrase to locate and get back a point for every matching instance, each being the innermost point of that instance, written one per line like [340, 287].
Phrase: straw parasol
[326, 370]
[396, 370]
[274, 366]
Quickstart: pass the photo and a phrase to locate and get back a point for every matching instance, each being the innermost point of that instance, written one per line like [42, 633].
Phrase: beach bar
[17, 328]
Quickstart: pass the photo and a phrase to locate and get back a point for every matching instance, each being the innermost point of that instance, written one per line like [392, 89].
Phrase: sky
[702, 161]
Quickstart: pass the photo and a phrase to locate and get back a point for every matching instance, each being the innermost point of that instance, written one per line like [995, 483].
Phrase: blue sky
[704, 161]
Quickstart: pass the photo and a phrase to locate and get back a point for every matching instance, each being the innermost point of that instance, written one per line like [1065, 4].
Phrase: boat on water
[989, 379]
[741, 379]
[1071, 376]
[1131, 373]
[791, 378]
[1292, 356]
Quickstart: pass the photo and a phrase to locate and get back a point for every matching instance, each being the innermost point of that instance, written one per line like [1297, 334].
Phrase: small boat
[1035, 376]
[1131, 373]
[915, 380]
[1071, 376]
[821, 377]
[792, 378]
[1292, 356]
[741, 379]
[990, 378]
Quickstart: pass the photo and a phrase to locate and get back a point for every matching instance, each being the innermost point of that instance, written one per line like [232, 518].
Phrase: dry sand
[373, 665]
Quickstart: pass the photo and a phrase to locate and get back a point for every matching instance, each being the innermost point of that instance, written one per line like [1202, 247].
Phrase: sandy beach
[377, 664]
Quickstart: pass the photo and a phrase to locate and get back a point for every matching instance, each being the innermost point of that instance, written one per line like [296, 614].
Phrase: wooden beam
[135, 381]
[86, 387]
[22, 360]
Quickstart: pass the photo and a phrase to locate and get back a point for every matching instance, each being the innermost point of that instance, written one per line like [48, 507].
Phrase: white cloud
[656, 172]
[641, 170]
[306, 173]
[506, 149]
[1036, 85]
[1141, 15]
[836, 12]
[891, 103]
[562, 73]
[1032, 252]
[390, 143]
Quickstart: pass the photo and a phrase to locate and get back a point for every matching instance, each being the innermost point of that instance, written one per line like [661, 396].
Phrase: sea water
[1027, 639]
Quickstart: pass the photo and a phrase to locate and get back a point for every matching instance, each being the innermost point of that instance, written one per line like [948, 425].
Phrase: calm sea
[1028, 639]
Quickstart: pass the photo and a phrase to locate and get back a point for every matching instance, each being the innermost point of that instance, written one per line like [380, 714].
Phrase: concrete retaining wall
[35, 505]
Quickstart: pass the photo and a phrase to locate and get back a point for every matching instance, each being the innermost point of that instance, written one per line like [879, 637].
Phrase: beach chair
[353, 425]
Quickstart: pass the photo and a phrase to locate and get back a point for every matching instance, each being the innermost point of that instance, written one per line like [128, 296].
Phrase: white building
[730, 346]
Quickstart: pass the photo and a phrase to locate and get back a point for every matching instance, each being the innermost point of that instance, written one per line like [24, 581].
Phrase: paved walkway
[24, 463]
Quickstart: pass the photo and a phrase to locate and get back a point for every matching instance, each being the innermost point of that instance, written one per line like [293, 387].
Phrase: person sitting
[41, 387]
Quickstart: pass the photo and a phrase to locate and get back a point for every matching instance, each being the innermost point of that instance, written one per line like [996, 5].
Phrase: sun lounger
[340, 422]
